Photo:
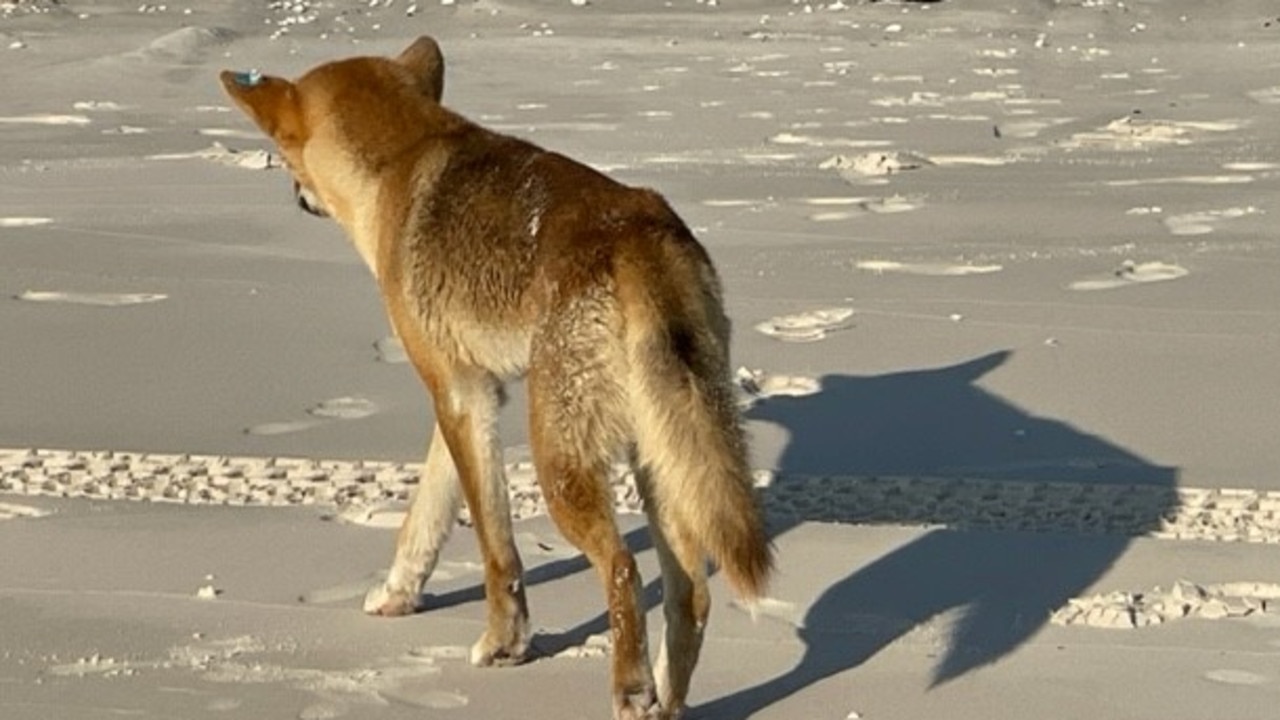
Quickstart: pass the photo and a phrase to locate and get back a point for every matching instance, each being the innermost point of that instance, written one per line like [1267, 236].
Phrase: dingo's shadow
[993, 589]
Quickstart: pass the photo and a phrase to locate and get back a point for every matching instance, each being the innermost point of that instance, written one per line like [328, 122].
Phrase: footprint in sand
[224, 704]
[184, 45]
[932, 269]
[322, 711]
[17, 222]
[339, 408]
[342, 592]
[1202, 223]
[432, 653]
[94, 299]
[1131, 273]
[431, 699]
[757, 386]
[807, 326]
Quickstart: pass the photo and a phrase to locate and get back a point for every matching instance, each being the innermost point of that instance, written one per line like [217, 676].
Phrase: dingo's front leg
[425, 529]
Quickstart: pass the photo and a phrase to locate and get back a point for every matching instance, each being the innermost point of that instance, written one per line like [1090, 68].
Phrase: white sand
[1003, 280]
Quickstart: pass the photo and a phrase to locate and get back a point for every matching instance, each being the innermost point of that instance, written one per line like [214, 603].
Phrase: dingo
[496, 258]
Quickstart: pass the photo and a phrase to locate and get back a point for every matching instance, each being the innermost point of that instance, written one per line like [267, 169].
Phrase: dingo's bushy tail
[687, 425]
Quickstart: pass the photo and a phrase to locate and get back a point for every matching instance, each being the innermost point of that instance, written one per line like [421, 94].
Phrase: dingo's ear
[426, 61]
[271, 102]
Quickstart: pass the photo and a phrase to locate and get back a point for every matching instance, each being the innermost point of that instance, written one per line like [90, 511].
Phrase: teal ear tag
[253, 78]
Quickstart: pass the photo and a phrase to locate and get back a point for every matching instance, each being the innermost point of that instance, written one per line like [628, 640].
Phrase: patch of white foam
[281, 428]
[1185, 180]
[1202, 223]
[757, 385]
[16, 222]
[1133, 132]
[808, 326]
[970, 160]
[344, 408]
[890, 205]
[11, 511]
[932, 269]
[1131, 273]
[1255, 166]
[219, 153]
[732, 203]
[229, 133]
[97, 106]
[769, 157]
[390, 350]
[44, 119]
[825, 201]
[873, 164]
[1266, 96]
[94, 299]
[1229, 676]
[994, 72]
[813, 141]
[837, 215]
[785, 611]
[96, 664]
[382, 516]
[595, 646]
[869, 206]
[882, 78]
[1183, 599]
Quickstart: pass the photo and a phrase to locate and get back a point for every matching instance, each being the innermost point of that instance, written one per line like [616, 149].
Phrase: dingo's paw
[639, 705]
[491, 652]
[388, 602]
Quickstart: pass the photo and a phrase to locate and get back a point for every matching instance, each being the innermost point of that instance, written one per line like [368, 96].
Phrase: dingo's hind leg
[686, 602]
[574, 430]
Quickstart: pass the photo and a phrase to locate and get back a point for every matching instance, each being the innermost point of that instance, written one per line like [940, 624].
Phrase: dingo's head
[341, 123]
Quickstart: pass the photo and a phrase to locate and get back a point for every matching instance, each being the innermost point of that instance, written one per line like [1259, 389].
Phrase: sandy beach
[1007, 333]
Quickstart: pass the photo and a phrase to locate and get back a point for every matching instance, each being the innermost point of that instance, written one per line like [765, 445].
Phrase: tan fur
[496, 258]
